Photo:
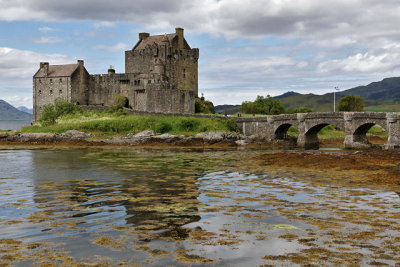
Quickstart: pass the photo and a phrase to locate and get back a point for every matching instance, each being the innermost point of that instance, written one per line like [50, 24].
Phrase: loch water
[180, 207]
[13, 124]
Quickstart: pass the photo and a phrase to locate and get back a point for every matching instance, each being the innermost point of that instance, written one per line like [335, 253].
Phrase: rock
[200, 135]
[241, 143]
[166, 138]
[75, 134]
[32, 137]
[147, 133]
[214, 137]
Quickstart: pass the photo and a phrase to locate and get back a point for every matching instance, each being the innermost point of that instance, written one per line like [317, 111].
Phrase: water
[13, 125]
[183, 207]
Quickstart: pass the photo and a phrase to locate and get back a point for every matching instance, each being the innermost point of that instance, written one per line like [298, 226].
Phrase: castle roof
[57, 71]
[155, 39]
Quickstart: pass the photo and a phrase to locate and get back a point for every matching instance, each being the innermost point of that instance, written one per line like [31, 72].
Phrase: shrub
[51, 112]
[63, 108]
[163, 127]
[119, 103]
[231, 125]
[201, 105]
[48, 116]
[188, 124]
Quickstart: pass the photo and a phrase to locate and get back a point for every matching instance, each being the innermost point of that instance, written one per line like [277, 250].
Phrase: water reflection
[159, 207]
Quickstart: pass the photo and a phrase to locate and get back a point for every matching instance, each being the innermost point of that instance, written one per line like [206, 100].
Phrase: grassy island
[108, 123]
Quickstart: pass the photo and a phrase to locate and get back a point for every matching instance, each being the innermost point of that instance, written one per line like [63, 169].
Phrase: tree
[202, 105]
[351, 103]
[263, 105]
[299, 110]
[51, 112]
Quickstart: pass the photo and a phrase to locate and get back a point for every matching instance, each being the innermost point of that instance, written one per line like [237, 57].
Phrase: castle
[160, 76]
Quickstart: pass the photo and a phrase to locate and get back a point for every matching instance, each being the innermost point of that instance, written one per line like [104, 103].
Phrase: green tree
[299, 110]
[263, 105]
[351, 103]
[202, 105]
[51, 112]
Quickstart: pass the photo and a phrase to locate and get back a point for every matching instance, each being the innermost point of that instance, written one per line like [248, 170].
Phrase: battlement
[156, 68]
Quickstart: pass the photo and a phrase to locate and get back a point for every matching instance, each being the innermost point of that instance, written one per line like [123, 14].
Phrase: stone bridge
[354, 124]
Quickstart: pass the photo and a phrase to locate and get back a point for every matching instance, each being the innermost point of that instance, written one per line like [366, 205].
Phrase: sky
[247, 47]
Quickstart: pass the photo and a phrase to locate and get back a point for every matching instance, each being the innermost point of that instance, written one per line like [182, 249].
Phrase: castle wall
[80, 86]
[47, 90]
[141, 61]
[170, 101]
[185, 69]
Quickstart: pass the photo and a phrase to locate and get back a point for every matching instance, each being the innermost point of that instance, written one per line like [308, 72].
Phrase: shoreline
[367, 167]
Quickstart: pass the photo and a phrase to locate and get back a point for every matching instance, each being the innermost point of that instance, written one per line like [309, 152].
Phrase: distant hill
[25, 109]
[226, 109]
[378, 96]
[387, 89]
[8, 112]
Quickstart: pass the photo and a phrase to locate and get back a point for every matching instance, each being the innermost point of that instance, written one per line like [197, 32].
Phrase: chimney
[143, 36]
[45, 67]
[111, 70]
[80, 62]
[179, 32]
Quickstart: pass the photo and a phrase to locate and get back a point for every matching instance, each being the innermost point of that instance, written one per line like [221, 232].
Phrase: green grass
[332, 132]
[106, 123]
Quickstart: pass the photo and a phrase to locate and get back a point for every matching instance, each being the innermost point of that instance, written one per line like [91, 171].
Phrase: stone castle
[160, 76]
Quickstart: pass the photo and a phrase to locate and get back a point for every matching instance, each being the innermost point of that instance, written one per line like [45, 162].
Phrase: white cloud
[231, 18]
[46, 29]
[17, 101]
[47, 40]
[384, 61]
[104, 24]
[17, 68]
[113, 48]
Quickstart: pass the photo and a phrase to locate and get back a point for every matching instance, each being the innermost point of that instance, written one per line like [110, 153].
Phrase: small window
[60, 91]
[149, 81]
[138, 82]
[60, 80]
[40, 80]
[51, 91]
[51, 80]
[184, 73]
[40, 92]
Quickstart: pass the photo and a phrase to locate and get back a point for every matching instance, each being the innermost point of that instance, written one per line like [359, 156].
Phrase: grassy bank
[106, 123]
[332, 132]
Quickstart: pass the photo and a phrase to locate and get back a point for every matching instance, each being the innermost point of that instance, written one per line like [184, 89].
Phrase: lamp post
[334, 98]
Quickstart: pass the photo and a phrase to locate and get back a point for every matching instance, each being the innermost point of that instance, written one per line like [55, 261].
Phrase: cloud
[384, 61]
[18, 66]
[46, 29]
[104, 24]
[17, 101]
[47, 40]
[113, 48]
[16, 70]
[230, 18]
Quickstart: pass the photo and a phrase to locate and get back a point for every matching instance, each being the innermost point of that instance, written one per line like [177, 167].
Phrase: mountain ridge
[382, 95]
[9, 112]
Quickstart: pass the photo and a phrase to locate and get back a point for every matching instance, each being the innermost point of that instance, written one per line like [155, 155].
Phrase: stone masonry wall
[47, 90]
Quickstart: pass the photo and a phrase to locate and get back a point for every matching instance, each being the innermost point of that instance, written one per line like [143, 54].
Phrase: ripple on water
[159, 207]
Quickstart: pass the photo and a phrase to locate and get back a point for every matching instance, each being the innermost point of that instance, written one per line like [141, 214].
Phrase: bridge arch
[281, 131]
[359, 135]
[310, 139]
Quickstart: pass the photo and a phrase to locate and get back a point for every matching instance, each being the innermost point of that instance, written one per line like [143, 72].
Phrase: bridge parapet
[354, 124]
